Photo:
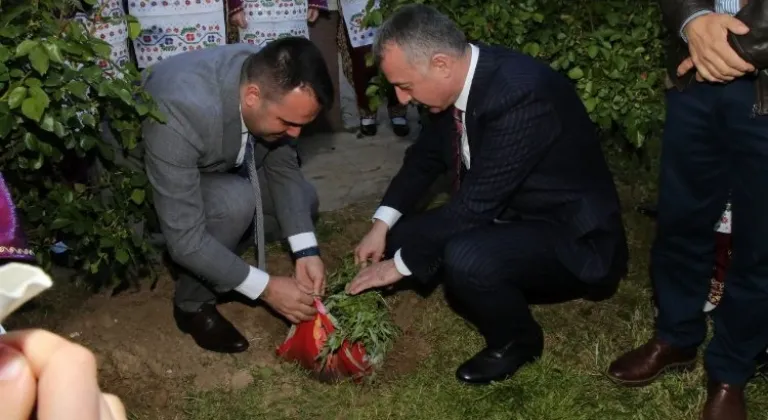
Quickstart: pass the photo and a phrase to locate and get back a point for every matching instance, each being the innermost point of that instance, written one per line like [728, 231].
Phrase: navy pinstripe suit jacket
[534, 155]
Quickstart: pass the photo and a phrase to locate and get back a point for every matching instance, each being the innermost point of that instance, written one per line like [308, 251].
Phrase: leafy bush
[71, 184]
[611, 49]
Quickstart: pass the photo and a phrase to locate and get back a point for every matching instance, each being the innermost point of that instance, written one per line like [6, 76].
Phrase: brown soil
[151, 365]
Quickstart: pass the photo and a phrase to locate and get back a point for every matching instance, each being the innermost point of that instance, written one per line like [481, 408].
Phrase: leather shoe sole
[672, 367]
[238, 346]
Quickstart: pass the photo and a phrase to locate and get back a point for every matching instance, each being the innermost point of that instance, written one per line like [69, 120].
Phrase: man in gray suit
[223, 167]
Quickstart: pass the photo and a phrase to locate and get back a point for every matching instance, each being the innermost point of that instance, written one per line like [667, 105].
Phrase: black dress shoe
[368, 130]
[400, 128]
[211, 330]
[496, 364]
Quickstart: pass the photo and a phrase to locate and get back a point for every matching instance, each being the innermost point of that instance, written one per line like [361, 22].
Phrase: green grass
[566, 384]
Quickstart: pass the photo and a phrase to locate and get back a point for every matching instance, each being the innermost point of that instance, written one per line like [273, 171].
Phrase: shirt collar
[243, 128]
[461, 102]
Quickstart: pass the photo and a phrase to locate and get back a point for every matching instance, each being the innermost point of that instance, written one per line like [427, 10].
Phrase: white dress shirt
[389, 215]
[253, 285]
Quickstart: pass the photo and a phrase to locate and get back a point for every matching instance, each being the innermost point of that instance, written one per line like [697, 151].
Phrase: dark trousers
[713, 143]
[493, 273]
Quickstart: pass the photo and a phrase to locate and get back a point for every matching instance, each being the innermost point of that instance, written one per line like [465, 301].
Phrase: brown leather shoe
[644, 364]
[724, 402]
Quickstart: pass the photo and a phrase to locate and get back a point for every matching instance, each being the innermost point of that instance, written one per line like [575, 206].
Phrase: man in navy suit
[534, 216]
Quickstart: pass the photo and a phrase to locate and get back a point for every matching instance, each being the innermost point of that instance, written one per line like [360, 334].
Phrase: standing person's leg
[229, 210]
[693, 190]
[323, 33]
[741, 330]
[358, 74]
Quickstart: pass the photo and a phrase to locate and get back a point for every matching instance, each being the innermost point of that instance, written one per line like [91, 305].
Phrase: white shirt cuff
[253, 285]
[690, 18]
[387, 215]
[302, 241]
[400, 265]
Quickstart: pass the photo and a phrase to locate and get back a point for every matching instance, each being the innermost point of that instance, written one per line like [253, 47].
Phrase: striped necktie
[457, 114]
[258, 225]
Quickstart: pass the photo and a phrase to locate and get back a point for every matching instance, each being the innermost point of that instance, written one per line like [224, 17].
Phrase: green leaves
[576, 73]
[53, 95]
[17, 96]
[38, 57]
[35, 103]
[33, 109]
[138, 196]
[134, 29]
[54, 53]
[26, 46]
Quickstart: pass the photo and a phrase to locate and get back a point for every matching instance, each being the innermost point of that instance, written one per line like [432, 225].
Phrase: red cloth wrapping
[305, 341]
[723, 243]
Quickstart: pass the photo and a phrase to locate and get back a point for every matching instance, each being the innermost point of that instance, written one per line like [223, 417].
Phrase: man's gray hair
[421, 32]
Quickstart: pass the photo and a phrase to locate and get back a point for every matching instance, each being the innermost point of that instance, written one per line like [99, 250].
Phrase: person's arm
[422, 164]
[518, 133]
[678, 13]
[171, 166]
[293, 208]
[753, 46]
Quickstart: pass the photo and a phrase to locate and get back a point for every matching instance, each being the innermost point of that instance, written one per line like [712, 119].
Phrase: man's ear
[443, 64]
[252, 95]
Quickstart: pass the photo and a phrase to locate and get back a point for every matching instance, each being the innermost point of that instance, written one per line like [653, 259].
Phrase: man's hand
[238, 19]
[310, 274]
[284, 296]
[312, 14]
[47, 377]
[713, 57]
[371, 248]
[380, 274]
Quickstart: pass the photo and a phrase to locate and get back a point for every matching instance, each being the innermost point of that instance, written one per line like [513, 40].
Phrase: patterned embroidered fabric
[353, 12]
[170, 27]
[111, 28]
[269, 20]
[13, 243]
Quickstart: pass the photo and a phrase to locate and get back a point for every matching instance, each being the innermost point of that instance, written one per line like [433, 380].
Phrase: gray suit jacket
[199, 94]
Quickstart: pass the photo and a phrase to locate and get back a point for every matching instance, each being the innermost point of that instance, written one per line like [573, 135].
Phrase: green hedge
[612, 49]
[70, 183]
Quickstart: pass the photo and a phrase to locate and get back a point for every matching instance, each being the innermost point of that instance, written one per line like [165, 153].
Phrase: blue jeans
[713, 142]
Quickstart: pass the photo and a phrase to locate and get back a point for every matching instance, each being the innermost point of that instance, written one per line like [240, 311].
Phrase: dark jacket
[535, 156]
[752, 47]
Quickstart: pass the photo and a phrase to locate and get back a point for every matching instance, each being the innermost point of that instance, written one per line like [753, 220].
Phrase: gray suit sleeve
[171, 165]
[292, 206]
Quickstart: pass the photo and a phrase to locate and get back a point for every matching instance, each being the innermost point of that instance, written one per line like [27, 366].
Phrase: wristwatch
[312, 251]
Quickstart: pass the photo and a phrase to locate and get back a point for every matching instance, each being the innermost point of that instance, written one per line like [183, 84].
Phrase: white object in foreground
[18, 284]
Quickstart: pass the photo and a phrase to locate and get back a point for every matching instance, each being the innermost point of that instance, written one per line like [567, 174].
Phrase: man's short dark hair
[288, 63]
[421, 31]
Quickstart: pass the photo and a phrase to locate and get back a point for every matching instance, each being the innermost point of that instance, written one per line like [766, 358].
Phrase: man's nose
[403, 97]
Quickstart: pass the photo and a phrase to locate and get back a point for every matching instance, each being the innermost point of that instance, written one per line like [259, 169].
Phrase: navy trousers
[713, 143]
